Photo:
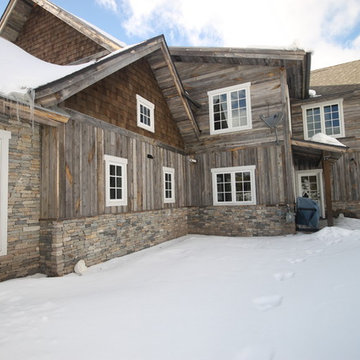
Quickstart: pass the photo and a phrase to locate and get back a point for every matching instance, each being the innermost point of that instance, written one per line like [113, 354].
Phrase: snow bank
[20, 71]
[326, 139]
[197, 297]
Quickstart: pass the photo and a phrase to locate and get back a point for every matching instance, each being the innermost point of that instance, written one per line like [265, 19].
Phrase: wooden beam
[319, 146]
[41, 116]
[180, 89]
[327, 165]
[288, 157]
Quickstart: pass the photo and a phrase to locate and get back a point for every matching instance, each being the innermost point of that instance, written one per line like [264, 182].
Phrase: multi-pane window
[230, 109]
[4, 168]
[326, 118]
[234, 185]
[168, 183]
[145, 114]
[115, 180]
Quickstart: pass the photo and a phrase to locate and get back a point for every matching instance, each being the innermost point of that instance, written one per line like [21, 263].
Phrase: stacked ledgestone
[252, 220]
[24, 197]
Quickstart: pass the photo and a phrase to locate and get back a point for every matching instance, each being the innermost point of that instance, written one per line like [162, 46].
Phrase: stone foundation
[100, 238]
[349, 209]
[22, 256]
[252, 220]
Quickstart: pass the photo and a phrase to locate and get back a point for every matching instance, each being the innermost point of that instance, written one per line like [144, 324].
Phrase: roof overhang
[296, 62]
[18, 11]
[305, 149]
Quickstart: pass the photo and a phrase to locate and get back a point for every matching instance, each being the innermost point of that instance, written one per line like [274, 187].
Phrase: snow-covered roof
[21, 72]
[326, 139]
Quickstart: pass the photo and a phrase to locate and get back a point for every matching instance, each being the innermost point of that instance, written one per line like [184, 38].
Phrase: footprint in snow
[314, 252]
[264, 303]
[296, 261]
[284, 276]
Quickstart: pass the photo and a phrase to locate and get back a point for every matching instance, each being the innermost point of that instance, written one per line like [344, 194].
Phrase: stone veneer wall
[100, 238]
[349, 209]
[252, 220]
[24, 198]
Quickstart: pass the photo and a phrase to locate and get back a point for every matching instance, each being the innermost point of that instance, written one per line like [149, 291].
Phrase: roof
[297, 62]
[22, 74]
[18, 11]
[336, 79]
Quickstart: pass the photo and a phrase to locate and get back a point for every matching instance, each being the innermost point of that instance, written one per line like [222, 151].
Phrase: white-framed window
[230, 109]
[325, 117]
[4, 173]
[234, 185]
[169, 184]
[145, 114]
[115, 180]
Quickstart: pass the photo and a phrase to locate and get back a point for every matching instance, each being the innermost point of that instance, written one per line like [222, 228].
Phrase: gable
[50, 39]
[113, 99]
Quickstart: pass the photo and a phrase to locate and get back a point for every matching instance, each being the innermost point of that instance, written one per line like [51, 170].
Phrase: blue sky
[329, 28]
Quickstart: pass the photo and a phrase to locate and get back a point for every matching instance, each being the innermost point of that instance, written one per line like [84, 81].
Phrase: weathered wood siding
[199, 78]
[73, 172]
[113, 100]
[50, 39]
[346, 170]
[351, 108]
[270, 176]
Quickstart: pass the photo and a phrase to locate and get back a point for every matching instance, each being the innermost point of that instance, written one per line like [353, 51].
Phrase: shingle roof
[336, 79]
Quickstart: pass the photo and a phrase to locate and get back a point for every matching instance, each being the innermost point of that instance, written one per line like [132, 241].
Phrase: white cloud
[321, 26]
[108, 4]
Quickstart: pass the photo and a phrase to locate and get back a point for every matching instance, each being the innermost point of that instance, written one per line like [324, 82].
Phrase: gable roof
[18, 11]
[337, 79]
[53, 84]
[297, 62]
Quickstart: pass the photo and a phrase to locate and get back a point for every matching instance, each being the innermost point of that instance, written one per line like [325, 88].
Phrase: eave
[296, 62]
[316, 151]
[18, 11]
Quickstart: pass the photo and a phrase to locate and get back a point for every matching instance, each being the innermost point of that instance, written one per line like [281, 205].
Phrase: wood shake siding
[51, 40]
[113, 100]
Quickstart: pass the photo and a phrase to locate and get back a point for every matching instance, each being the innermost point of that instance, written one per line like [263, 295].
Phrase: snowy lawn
[197, 297]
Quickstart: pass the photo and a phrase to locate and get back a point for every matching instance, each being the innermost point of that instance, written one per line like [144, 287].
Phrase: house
[332, 109]
[115, 148]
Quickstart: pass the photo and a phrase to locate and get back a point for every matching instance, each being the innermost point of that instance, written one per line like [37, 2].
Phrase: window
[145, 114]
[234, 185]
[4, 172]
[115, 180]
[326, 118]
[230, 109]
[169, 188]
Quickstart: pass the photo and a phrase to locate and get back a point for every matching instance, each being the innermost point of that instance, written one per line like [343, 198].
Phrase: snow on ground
[197, 297]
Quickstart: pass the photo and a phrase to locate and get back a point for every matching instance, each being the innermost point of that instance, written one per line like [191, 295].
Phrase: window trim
[117, 161]
[171, 171]
[232, 171]
[4, 183]
[321, 105]
[142, 101]
[227, 90]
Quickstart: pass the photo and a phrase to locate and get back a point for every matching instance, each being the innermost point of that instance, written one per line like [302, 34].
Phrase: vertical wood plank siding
[346, 170]
[74, 168]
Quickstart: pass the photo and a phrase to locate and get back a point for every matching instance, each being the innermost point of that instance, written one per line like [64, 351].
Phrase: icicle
[31, 97]
[17, 111]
